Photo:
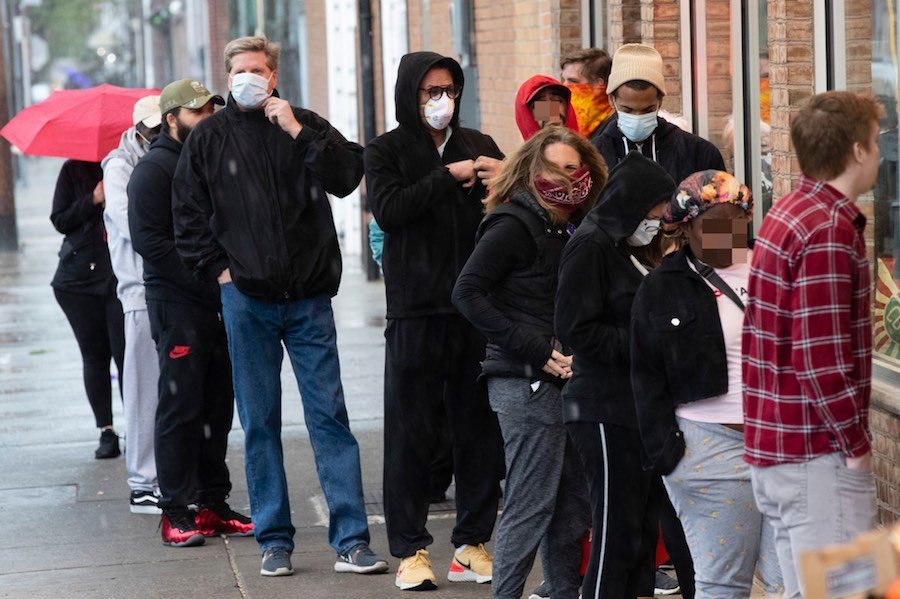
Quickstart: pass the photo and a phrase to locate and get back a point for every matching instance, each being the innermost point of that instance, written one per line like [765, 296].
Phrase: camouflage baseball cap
[186, 93]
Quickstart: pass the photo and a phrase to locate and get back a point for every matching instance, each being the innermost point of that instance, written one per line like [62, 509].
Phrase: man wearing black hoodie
[599, 275]
[636, 89]
[425, 190]
[196, 401]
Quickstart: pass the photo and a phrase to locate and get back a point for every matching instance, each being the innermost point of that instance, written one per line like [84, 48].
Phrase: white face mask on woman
[249, 90]
[645, 232]
[438, 113]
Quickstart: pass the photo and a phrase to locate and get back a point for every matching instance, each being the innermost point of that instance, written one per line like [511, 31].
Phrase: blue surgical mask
[637, 127]
[249, 90]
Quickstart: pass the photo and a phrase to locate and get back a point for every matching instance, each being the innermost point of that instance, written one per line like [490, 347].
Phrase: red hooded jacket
[528, 126]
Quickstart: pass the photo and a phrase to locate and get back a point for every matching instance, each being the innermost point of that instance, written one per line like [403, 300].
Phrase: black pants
[431, 371]
[442, 462]
[624, 509]
[196, 403]
[99, 327]
[675, 541]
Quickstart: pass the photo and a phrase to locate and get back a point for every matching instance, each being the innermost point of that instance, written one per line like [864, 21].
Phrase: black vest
[527, 296]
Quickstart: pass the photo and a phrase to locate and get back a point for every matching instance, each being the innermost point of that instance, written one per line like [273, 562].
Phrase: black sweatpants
[624, 510]
[99, 327]
[196, 403]
[675, 541]
[431, 370]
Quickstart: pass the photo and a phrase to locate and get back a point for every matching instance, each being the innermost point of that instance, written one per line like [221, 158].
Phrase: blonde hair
[252, 44]
[526, 163]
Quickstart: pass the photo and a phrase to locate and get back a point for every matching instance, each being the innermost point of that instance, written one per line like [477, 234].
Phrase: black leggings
[99, 327]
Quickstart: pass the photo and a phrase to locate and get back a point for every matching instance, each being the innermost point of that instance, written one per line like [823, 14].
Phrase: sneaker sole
[376, 568]
[425, 585]
[152, 510]
[278, 572]
[467, 576]
[193, 541]
[667, 592]
[107, 457]
[213, 533]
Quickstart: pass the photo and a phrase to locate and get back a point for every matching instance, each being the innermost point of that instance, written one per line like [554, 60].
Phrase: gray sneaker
[276, 562]
[360, 560]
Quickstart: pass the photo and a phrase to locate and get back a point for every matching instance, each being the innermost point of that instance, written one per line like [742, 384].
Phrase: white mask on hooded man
[438, 113]
[645, 232]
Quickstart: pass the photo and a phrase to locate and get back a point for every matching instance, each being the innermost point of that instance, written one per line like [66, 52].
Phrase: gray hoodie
[127, 264]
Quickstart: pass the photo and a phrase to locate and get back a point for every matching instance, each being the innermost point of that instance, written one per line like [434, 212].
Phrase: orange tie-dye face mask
[591, 105]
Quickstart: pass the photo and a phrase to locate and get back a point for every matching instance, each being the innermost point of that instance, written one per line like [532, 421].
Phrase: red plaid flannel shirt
[807, 339]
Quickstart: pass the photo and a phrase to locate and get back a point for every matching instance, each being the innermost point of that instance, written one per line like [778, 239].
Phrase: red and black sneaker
[220, 519]
[179, 529]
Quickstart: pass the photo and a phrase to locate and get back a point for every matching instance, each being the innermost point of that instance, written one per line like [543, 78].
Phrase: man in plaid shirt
[807, 339]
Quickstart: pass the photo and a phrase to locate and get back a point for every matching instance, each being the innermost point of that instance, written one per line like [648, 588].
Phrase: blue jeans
[256, 330]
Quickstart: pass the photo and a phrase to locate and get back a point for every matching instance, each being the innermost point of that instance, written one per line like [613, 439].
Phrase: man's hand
[863, 463]
[98, 196]
[280, 112]
[224, 277]
[487, 168]
[463, 171]
[558, 365]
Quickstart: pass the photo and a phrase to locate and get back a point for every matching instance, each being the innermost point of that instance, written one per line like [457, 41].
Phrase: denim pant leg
[311, 342]
[813, 504]
[254, 342]
[711, 491]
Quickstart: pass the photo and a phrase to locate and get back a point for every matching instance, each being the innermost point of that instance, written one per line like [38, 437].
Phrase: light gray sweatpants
[140, 394]
[813, 504]
[545, 502]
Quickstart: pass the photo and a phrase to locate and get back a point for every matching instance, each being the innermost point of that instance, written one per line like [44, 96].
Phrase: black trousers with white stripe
[624, 508]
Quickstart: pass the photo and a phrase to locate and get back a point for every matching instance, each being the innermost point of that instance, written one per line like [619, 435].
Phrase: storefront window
[872, 67]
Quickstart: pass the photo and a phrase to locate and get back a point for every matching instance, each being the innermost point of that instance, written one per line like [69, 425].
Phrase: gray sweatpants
[813, 504]
[140, 394]
[545, 502]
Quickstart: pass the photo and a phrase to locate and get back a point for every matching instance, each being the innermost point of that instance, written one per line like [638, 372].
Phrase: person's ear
[273, 82]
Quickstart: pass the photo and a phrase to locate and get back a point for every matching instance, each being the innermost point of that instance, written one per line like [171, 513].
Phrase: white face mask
[438, 113]
[637, 127]
[249, 90]
[644, 233]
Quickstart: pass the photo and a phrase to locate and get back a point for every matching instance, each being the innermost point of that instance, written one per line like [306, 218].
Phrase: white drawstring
[652, 141]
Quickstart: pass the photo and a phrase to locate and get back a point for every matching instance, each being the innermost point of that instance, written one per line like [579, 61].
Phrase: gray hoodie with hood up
[127, 264]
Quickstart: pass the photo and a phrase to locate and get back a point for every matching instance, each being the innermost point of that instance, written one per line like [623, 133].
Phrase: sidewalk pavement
[65, 527]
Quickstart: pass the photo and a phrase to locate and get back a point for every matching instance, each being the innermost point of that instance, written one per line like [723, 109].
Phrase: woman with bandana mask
[636, 89]
[507, 290]
[599, 275]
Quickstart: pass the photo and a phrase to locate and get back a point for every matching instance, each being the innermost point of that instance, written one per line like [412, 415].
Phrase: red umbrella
[84, 124]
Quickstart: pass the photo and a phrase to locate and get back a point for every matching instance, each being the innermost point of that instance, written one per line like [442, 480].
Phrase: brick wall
[886, 451]
[218, 37]
[317, 52]
[791, 79]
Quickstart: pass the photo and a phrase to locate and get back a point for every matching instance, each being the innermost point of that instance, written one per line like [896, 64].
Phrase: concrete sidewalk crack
[238, 580]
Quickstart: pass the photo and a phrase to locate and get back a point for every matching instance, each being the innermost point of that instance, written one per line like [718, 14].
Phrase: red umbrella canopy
[84, 124]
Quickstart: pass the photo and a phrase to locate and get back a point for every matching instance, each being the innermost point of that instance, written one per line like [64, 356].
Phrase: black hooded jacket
[248, 197]
[84, 264]
[429, 219]
[166, 277]
[681, 153]
[597, 284]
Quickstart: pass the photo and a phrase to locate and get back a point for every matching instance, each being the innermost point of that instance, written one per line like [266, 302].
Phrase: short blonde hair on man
[252, 44]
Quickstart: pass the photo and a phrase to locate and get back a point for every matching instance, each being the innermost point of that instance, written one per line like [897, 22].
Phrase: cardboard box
[867, 566]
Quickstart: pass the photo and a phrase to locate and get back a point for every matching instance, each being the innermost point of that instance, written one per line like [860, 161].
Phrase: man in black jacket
[251, 211]
[425, 190]
[196, 401]
[636, 89]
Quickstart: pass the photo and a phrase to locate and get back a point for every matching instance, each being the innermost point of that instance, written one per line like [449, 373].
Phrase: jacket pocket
[680, 342]
[66, 251]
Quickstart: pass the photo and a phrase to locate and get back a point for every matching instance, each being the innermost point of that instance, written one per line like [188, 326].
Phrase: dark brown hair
[595, 63]
[522, 166]
[826, 129]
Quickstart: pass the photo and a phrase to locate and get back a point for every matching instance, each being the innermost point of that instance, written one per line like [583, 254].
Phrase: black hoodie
[428, 218]
[597, 284]
[679, 152]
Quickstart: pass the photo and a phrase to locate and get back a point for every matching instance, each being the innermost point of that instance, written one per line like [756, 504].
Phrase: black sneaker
[665, 585]
[541, 592]
[109, 445]
[145, 502]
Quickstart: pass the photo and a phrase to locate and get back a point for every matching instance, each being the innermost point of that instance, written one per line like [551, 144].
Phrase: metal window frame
[687, 63]
[595, 24]
[745, 77]
[701, 74]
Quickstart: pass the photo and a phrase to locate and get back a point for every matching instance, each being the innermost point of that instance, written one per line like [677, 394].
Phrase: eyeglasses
[436, 91]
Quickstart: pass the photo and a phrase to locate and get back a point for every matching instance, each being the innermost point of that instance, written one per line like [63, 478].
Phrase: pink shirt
[727, 408]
